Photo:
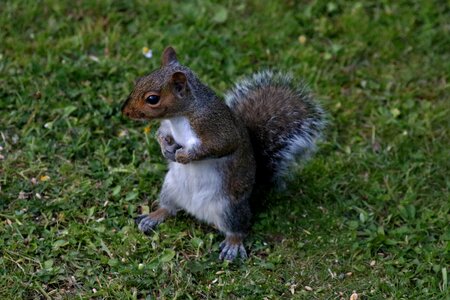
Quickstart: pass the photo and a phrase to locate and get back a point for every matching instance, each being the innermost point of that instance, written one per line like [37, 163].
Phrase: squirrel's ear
[169, 57]
[179, 83]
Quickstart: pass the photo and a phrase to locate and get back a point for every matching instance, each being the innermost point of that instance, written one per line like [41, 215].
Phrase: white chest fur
[182, 132]
[196, 187]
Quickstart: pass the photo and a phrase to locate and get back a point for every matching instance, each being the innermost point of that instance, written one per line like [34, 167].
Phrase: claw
[139, 218]
[222, 245]
[145, 223]
[230, 251]
[242, 252]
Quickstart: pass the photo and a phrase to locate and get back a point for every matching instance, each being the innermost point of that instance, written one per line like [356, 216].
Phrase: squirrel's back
[283, 120]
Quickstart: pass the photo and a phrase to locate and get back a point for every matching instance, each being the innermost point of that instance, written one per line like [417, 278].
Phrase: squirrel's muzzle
[130, 110]
[125, 110]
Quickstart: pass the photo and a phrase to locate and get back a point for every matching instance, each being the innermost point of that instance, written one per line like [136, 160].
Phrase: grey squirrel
[220, 153]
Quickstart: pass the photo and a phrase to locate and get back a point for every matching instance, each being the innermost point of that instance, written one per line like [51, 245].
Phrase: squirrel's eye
[152, 99]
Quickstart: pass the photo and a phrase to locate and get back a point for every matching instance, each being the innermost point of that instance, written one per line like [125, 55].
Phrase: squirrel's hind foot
[231, 248]
[146, 224]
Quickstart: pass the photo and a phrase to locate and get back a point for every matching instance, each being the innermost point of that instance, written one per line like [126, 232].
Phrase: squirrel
[220, 153]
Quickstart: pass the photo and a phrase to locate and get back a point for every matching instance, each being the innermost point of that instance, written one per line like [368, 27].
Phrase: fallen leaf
[302, 39]
[123, 133]
[395, 112]
[44, 178]
[221, 15]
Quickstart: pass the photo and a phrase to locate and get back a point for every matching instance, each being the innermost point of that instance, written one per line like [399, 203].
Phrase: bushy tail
[283, 120]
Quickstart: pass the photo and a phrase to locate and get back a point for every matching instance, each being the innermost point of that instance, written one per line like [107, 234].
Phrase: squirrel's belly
[200, 189]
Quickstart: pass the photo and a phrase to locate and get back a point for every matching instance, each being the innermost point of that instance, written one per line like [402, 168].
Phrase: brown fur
[160, 214]
[267, 122]
[234, 239]
[157, 83]
[220, 133]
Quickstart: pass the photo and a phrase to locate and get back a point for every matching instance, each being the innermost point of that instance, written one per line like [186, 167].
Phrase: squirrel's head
[163, 93]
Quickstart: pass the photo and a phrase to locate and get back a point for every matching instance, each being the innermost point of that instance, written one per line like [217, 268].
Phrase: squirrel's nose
[124, 107]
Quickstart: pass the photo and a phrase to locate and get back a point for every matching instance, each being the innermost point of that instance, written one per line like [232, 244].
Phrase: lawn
[370, 213]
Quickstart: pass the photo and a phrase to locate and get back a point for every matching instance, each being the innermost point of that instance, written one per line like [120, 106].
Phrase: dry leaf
[302, 39]
[44, 178]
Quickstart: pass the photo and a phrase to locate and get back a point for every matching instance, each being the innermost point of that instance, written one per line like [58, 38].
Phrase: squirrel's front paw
[170, 151]
[182, 156]
[146, 224]
[168, 146]
[231, 250]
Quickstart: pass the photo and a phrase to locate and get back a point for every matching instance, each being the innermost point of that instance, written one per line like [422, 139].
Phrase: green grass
[369, 214]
